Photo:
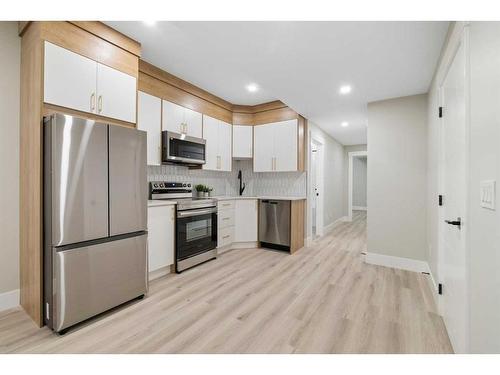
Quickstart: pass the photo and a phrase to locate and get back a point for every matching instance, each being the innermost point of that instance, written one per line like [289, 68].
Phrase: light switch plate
[488, 194]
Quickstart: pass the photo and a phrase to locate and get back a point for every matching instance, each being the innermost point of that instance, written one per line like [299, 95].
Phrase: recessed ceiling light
[344, 124]
[252, 87]
[346, 89]
[150, 23]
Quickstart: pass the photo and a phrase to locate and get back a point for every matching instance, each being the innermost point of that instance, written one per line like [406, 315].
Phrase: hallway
[323, 299]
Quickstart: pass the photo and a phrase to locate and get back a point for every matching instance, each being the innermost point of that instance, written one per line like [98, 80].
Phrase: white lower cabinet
[225, 223]
[237, 222]
[245, 220]
[161, 237]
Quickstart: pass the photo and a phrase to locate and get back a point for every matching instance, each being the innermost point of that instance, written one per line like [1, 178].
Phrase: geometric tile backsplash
[226, 183]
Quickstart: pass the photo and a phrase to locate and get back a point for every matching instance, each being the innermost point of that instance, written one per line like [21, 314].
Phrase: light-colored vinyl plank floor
[322, 299]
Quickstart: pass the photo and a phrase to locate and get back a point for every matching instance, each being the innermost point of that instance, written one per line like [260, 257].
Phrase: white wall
[9, 157]
[359, 176]
[484, 231]
[397, 163]
[334, 168]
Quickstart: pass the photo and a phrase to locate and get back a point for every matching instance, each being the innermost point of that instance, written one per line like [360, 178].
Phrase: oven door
[180, 148]
[196, 232]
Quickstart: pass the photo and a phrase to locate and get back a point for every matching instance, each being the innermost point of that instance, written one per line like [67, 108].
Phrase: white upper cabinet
[211, 136]
[225, 149]
[218, 144]
[242, 142]
[69, 79]
[275, 147]
[77, 82]
[182, 120]
[116, 94]
[263, 157]
[149, 120]
[285, 146]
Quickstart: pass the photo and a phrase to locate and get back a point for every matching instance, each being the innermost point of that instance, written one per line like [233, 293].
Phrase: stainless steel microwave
[182, 149]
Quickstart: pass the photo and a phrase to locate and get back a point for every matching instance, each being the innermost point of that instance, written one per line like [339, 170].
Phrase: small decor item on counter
[208, 191]
[200, 190]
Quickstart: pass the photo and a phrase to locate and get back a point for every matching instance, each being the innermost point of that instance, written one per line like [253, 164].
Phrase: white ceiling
[302, 64]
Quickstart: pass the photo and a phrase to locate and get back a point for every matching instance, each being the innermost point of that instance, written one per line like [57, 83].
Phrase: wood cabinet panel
[149, 120]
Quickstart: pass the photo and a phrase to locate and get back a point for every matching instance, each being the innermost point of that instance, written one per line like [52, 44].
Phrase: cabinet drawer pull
[226, 236]
[225, 218]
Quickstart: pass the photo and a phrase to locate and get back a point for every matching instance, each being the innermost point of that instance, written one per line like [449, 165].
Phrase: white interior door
[453, 242]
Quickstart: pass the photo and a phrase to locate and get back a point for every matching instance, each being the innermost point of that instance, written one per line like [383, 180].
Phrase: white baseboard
[8, 300]
[330, 226]
[238, 245]
[160, 272]
[397, 262]
[360, 208]
[434, 288]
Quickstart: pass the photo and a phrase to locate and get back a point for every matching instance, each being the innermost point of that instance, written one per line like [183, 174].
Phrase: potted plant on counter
[200, 190]
[208, 191]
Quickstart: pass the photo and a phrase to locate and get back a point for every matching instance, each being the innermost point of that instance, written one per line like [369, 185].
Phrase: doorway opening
[316, 191]
[357, 196]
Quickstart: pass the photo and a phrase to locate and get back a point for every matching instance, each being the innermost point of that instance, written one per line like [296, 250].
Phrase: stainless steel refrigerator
[95, 218]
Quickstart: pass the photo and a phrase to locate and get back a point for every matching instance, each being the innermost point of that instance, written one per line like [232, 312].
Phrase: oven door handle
[190, 213]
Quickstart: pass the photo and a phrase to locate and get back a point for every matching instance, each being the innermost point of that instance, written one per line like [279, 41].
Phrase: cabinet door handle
[92, 102]
[99, 104]
[226, 236]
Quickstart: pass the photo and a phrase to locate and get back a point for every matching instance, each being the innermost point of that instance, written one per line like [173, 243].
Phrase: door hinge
[440, 112]
[440, 199]
[440, 289]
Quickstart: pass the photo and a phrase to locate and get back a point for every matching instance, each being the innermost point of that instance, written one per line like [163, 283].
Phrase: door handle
[457, 222]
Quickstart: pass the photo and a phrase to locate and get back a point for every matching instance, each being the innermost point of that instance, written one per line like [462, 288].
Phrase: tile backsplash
[226, 183]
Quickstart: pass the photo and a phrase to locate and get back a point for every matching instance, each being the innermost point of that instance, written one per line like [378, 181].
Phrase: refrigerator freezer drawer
[90, 280]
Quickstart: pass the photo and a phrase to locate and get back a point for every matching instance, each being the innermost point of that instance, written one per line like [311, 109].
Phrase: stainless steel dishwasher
[274, 224]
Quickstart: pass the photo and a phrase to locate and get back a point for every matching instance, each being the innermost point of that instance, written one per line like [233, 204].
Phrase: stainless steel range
[196, 223]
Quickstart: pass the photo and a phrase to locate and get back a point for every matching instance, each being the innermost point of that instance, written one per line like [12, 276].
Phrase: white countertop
[271, 197]
[154, 203]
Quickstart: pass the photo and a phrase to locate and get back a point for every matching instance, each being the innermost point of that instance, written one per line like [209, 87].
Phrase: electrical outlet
[488, 194]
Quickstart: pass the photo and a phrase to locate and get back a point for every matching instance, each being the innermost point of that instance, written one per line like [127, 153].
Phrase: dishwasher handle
[268, 201]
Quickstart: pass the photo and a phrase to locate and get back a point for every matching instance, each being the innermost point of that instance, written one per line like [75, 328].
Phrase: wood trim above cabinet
[49, 109]
[109, 34]
[185, 86]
